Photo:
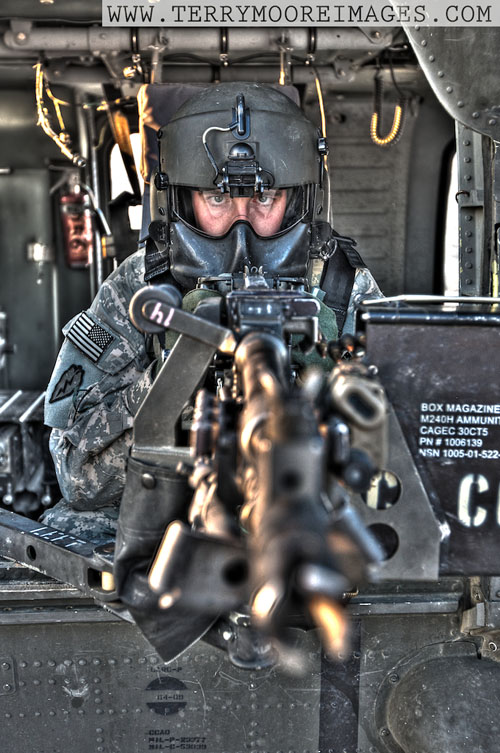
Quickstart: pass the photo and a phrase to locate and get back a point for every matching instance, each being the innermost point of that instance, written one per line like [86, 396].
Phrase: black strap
[338, 277]
[125, 238]
[156, 260]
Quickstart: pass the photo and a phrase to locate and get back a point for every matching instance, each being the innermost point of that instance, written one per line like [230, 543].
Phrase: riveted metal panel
[85, 687]
[390, 200]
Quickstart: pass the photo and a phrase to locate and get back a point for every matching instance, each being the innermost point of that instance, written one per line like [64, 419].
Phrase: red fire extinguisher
[77, 229]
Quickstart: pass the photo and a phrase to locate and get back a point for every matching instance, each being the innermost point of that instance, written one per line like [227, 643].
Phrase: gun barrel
[332, 622]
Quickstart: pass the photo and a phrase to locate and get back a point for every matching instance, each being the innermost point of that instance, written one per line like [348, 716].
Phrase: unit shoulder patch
[68, 383]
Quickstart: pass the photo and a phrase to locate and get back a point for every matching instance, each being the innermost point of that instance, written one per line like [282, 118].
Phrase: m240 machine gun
[189, 559]
[255, 519]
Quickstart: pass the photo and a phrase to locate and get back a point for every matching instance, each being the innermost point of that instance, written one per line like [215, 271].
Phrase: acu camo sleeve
[90, 456]
[92, 420]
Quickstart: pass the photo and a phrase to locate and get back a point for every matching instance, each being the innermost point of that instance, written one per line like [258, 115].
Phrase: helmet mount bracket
[241, 174]
[241, 119]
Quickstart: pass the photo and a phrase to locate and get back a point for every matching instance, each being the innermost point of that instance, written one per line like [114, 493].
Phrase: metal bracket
[20, 31]
[59, 555]
[155, 424]
[418, 531]
[471, 210]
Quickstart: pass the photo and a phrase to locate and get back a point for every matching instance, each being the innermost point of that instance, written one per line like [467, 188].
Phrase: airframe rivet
[7, 687]
[441, 74]
[468, 265]
[148, 480]
[475, 115]
[460, 103]
[384, 732]
[5, 666]
[492, 122]
[394, 678]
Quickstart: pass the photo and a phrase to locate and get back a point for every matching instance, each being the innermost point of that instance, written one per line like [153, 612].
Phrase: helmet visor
[214, 213]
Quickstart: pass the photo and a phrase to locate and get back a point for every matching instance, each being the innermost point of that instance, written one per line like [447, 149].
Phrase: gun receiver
[266, 527]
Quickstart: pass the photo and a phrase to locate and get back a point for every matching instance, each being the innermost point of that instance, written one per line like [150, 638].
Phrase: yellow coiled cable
[393, 133]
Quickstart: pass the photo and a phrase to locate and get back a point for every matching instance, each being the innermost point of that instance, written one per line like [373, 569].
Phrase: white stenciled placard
[459, 431]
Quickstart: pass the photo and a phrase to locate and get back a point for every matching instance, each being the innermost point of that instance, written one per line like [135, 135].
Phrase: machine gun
[255, 519]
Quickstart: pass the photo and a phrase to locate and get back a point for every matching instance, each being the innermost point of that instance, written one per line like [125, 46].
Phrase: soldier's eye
[215, 198]
[268, 197]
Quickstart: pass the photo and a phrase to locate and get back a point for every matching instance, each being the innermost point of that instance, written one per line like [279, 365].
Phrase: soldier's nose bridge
[241, 204]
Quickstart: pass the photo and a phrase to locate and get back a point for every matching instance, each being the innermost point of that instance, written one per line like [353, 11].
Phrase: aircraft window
[451, 235]
[120, 181]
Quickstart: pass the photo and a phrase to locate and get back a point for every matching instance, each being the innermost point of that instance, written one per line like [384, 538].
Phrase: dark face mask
[194, 254]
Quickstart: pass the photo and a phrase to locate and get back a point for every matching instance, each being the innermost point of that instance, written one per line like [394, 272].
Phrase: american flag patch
[89, 337]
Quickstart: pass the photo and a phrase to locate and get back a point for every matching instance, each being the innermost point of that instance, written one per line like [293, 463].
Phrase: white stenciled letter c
[470, 486]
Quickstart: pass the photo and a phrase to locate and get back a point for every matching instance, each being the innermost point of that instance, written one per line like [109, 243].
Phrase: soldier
[240, 183]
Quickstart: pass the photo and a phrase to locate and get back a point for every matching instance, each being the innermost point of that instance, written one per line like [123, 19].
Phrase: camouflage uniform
[92, 398]
[101, 376]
